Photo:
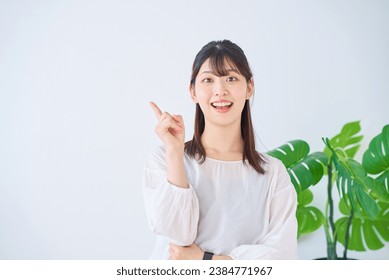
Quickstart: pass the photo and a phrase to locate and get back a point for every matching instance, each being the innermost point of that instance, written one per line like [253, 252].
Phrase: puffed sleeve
[172, 212]
[281, 240]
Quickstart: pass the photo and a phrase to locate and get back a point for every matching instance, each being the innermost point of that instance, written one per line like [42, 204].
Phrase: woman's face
[221, 98]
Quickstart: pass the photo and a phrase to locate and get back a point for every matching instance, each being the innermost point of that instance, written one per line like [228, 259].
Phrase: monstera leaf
[365, 233]
[309, 218]
[376, 161]
[354, 185]
[347, 140]
[381, 189]
[304, 170]
[376, 158]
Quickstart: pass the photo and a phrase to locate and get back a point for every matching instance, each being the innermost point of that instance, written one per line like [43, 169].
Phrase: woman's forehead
[218, 67]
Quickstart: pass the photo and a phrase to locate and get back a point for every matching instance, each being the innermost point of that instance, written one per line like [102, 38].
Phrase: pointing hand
[170, 128]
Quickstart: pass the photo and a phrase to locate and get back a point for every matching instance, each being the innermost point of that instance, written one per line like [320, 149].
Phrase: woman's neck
[223, 143]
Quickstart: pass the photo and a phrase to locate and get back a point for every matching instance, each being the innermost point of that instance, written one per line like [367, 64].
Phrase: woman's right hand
[170, 129]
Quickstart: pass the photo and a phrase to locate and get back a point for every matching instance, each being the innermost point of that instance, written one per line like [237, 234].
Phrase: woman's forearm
[221, 258]
[176, 173]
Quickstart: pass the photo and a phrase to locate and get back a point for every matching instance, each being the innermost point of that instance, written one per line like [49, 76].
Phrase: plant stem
[349, 220]
[331, 251]
[331, 245]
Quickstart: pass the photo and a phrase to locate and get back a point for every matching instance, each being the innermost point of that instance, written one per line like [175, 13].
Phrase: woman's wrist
[211, 256]
[175, 151]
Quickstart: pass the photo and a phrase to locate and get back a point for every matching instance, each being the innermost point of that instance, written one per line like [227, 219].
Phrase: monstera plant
[362, 189]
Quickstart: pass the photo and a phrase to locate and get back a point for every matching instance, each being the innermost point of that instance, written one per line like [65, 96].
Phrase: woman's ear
[250, 88]
[193, 93]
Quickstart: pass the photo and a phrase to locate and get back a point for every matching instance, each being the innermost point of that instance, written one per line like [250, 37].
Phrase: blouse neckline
[224, 161]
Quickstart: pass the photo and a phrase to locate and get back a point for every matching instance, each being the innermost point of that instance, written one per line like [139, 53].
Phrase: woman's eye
[231, 79]
[207, 80]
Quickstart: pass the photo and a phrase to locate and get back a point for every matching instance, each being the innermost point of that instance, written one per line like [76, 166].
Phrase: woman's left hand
[191, 252]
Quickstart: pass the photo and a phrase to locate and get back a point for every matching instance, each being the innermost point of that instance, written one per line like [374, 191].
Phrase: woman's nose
[220, 88]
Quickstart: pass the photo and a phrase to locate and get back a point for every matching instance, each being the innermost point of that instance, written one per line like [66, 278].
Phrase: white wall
[76, 78]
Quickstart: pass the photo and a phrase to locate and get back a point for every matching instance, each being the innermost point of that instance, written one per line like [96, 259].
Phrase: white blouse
[229, 208]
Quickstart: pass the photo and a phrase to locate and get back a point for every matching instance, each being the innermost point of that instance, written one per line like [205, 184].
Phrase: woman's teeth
[221, 104]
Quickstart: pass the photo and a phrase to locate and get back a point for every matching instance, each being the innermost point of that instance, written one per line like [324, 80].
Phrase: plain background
[76, 127]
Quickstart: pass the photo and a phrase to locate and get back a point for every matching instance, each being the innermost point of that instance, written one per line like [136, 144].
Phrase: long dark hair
[218, 52]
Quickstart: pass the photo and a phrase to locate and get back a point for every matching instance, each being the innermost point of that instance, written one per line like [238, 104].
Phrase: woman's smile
[222, 106]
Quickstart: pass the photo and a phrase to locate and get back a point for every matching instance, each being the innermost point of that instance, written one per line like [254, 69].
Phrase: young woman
[216, 197]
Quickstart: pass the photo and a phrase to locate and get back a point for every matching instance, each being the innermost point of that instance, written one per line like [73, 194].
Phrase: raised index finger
[156, 109]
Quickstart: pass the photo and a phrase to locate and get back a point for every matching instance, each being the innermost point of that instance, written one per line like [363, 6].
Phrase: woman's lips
[222, 106]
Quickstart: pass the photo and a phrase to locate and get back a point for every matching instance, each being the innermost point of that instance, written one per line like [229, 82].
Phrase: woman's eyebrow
[211, 72]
